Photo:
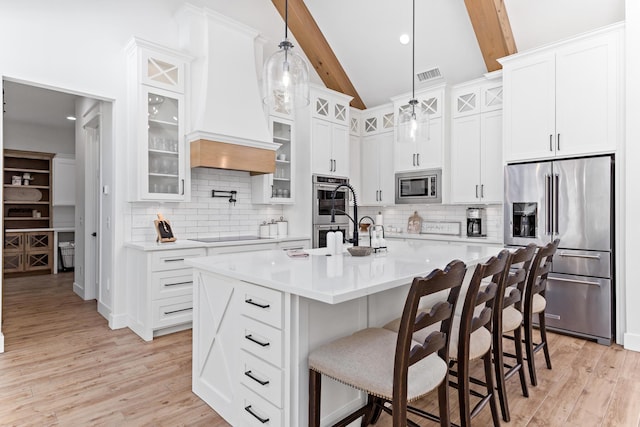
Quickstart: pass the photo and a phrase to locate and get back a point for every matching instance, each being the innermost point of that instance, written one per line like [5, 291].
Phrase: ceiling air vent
[431, 74]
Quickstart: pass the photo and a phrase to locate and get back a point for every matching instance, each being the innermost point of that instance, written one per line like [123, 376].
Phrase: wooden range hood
[232, 156]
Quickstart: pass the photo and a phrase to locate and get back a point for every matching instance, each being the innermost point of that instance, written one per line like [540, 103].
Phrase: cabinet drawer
[173, 259]
[262, 304]
[168, 284]
[172, 311]
[264, 379]
[257, 412]
[261, 340]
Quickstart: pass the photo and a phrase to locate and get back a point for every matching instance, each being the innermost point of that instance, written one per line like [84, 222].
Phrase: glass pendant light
[413, 120]
[286, 76]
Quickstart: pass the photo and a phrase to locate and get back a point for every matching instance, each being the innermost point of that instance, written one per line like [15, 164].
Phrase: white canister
[273, 229]
[331, 242]
[283, 227]
[16, 180]
[264, 230]
[339, 242]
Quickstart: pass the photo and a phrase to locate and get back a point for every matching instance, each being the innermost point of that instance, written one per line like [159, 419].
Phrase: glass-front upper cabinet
[159, 168]
[278, 187]
[165, 168]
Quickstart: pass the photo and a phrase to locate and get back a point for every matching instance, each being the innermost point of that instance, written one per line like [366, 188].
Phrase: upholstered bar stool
[392, 367]
[471, 338]
[507, 323]
[535, 304]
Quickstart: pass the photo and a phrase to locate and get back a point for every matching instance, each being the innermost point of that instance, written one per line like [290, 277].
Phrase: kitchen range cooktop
[226, 239]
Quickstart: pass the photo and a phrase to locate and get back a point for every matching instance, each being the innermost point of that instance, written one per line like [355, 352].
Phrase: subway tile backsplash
[208, 216]
[205, 215]
[398, 216]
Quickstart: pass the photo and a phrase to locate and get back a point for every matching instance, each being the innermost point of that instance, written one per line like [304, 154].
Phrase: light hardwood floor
[63, 366]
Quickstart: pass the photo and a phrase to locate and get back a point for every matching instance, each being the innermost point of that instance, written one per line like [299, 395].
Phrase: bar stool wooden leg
[517, 335]
[531, 361]
[498, 362]
[490, 392]
[315, 382]
[543, 337]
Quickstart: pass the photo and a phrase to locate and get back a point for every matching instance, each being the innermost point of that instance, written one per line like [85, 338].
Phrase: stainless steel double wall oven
[323, 187]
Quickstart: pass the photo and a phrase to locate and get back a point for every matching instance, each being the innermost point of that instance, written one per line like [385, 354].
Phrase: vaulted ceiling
[364, 36]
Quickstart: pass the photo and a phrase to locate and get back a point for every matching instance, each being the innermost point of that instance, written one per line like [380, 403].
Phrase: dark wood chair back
[517, 277]
[438, 341]
[540, 268]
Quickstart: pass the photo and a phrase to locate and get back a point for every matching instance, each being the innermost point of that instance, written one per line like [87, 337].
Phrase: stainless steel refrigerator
[571, 200]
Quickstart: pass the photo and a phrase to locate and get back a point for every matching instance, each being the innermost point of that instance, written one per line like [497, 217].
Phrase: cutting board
[414, 225]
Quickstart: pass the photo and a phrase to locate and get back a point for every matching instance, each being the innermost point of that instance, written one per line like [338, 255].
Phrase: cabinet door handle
[558, 142]
[258, 417]
[330, 165]
[414, 159]
[177, 311]
[182, 186]
[550, 142]
[418, 159]
[482, 190]
[256, 379]
[380, 195]
[168, 285]
[476, 191]
[335, 165]
[252, 302]
[260, 343]
[174, 260]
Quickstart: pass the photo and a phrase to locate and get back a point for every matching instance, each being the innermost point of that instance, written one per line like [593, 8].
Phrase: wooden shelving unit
[27, 206]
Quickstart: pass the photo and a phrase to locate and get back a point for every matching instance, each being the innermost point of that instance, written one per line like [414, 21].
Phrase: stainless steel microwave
[423, 186]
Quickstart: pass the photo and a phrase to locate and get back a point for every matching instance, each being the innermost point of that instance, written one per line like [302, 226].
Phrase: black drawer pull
[166, 285]
[258, 380]
[258, 417]
[174, 260]
[252, 302]
[177, 311]
[252, 339]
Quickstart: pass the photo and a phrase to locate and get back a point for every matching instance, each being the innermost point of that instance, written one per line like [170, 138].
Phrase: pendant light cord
[413, 53]
[286, 19]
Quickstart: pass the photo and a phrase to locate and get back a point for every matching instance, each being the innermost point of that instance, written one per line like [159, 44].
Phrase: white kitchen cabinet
[329, 132]
[64, 181]
[377, 170]
[565, 99]
[476, 158]
[477, 96]
[161, 299]
[355, 171]
[159, 156]
[329, 148]
[278, 187]
[429, 152]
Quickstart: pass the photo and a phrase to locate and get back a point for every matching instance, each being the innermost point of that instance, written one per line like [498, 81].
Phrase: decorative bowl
[360, 250]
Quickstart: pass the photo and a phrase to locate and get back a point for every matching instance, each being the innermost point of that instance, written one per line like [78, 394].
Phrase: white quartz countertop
[338, 278]
[442, 237]
[186, 244]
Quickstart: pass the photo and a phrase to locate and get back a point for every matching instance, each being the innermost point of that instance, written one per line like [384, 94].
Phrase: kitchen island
[257, 315]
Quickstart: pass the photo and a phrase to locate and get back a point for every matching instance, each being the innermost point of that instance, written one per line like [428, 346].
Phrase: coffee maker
[476, 222]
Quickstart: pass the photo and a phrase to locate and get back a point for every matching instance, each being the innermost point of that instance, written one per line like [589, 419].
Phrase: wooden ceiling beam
[317, 49]
[493, 30]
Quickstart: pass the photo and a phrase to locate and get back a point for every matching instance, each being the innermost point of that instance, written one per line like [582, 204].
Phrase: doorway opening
[71, 127]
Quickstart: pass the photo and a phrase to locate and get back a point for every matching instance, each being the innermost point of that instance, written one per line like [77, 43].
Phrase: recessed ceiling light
[404, 39]
[71, 118]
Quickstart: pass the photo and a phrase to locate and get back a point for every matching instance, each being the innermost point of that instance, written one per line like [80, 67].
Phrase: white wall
[19, 135]
[632, 158]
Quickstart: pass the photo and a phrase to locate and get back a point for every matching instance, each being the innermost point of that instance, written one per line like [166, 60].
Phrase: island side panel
[216, 346]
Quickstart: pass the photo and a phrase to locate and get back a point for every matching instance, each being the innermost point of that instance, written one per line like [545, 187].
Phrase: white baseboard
[632, 341]
[118, 321]
[78, 289]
